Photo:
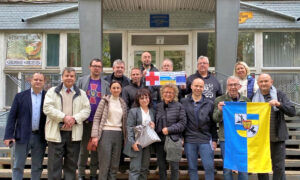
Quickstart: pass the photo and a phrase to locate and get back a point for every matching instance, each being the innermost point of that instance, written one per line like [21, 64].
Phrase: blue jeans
[227, 173]
[207, 157]
[21, 151]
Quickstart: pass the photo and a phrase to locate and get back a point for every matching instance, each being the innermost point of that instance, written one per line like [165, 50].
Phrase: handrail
[4, 113]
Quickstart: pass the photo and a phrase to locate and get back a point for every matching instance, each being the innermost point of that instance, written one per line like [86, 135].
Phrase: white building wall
[2, 74]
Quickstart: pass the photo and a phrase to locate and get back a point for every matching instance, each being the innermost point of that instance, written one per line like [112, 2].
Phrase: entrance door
[178, 54]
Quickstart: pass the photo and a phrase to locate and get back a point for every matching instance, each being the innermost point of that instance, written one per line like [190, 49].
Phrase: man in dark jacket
[136, 83]
[233, 86]
[26, 128]
[167, 66]
[118, 73]
[147, 66]
[200, 135]
[281, 106]
[212, 87]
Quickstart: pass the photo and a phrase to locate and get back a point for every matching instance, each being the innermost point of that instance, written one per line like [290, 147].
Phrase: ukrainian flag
[247, 137]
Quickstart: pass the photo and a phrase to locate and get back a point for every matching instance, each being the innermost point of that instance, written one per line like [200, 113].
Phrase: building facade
[44, 37]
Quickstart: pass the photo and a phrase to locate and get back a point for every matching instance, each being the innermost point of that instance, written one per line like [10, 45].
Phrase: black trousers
[63, 156]
[278, 162]
[162, 162]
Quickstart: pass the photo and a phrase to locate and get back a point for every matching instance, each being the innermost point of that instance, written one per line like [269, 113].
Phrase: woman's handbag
[91, 146]
[145, 135]
[173, 149]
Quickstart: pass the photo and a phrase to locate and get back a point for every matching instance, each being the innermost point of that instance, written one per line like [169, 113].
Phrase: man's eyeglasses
[233, 85]
[202, 63]
[94, 66]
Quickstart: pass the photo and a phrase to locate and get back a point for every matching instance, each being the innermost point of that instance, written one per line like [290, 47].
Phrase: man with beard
[147, 66]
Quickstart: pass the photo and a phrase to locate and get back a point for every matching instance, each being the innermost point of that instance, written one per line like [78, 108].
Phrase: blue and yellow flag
[247, 137]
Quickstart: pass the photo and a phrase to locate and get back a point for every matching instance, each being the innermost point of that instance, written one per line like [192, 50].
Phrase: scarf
[258, 97]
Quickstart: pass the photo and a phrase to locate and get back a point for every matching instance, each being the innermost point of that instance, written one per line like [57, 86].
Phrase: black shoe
[81, 178]
[123, 168]
[93, 178]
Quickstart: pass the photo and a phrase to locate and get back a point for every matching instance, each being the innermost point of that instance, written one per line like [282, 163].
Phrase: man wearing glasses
[95, 87]
[233, 86]
[212, 87]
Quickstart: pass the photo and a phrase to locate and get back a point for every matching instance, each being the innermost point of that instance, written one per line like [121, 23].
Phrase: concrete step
[153, 174]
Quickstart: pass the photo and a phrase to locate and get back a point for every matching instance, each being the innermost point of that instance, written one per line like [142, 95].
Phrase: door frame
[160, 48]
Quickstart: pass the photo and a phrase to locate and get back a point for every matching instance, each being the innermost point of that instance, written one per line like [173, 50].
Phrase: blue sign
[159, 20]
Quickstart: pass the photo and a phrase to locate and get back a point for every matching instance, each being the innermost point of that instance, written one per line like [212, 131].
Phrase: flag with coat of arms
[247, 137]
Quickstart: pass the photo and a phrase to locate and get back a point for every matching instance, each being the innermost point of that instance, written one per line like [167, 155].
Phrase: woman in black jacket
[170, 123]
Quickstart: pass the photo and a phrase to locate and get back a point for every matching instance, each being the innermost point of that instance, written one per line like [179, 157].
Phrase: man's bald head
[265, 83]
[197, 87]
[264, 75]
[197, 80]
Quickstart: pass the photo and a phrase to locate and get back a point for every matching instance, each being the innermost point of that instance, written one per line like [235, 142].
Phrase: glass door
[178, 54]
[136, 53]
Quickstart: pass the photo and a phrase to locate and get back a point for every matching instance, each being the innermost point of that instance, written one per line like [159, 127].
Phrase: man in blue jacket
[25, 128]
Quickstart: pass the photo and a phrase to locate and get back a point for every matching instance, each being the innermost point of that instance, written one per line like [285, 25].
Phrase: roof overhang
[206, 6]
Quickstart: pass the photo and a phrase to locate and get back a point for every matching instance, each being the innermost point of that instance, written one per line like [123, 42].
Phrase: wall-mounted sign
[24, 50]
[159, 20]
[244, 16]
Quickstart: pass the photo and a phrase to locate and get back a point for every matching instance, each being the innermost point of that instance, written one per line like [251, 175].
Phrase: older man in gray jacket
[95, 87]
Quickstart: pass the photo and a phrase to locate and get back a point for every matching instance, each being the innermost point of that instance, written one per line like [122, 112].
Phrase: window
[245, 51]
[288, 83]
[73, 52]
[51, 80]
[53, 50]
[281, 49]
[11, 88]
[111, 50]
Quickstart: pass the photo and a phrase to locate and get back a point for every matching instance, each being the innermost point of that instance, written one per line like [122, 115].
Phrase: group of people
[104, 111]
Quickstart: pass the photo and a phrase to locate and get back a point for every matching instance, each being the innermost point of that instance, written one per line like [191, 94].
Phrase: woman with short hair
[170, 123]
[141, 114]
